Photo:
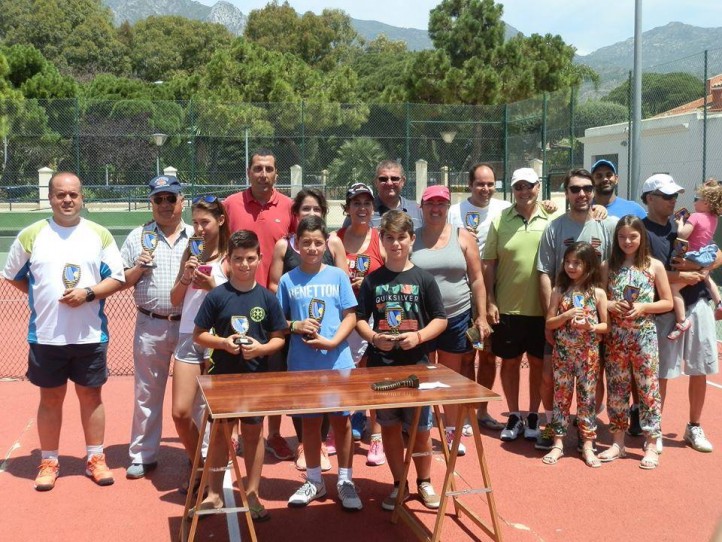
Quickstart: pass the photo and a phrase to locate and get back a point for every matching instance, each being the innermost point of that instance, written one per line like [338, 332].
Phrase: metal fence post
[408, 136]
[704, 121]
[303, 139]
[506, 149]
[545, 102]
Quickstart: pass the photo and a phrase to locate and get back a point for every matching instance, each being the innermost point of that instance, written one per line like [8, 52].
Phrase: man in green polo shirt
[513, 304]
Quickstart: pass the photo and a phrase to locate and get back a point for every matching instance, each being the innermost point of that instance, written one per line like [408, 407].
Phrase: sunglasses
[666, 197]
[588, 189]
[386, 179]
[171, 198]
[523, 186]
[207, 199]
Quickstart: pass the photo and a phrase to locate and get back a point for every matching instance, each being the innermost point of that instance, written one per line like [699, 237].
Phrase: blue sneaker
[358, 424]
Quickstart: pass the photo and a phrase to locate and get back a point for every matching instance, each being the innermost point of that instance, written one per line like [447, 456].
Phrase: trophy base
[151, 265]
[242, 341]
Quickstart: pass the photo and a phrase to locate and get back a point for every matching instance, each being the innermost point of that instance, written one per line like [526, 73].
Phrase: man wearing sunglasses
[157, 319]
[606, 179]
[513, 306]
[389, 181]
[577, 224]
[695, 353]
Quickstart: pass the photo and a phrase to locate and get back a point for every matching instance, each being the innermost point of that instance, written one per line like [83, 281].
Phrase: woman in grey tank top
[452, 256]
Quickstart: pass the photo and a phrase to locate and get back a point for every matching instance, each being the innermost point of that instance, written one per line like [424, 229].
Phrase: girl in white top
[194, 281]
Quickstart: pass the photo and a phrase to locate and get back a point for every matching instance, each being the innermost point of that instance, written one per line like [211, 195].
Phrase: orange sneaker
[49, 469]
[97, 469]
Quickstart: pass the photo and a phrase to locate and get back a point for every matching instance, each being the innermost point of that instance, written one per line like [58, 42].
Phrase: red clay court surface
[680, 500]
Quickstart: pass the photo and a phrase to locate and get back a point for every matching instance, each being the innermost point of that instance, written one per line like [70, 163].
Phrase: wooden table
[228, 397]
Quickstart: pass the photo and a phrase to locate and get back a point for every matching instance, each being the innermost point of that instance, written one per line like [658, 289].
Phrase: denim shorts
[392, 416]
[51, 366]
[453, 339]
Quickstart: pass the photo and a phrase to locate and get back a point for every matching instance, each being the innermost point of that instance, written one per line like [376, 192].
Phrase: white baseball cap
[661, 182]
[524, 174]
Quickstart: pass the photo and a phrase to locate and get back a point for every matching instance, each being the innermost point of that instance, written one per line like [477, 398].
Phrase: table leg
[407, 464]
[227, 431]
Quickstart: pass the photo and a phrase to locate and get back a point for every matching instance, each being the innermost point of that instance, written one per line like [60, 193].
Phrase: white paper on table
[432, 385]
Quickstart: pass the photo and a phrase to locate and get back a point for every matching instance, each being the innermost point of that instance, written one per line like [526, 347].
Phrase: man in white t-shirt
[67, 265]
[476, 214]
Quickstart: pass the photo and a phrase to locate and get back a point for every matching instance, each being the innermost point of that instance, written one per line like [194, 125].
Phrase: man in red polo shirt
[266, 212]
[262, 209]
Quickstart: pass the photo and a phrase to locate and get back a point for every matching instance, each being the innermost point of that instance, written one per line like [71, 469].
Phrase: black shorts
[51, 366]
[515, 334]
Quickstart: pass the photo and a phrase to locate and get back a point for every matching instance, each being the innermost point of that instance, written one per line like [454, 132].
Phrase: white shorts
[189, 352]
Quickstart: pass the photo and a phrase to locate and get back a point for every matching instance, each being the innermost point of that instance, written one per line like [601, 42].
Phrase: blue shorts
[453, 339]
[392, 416]
[51, 366]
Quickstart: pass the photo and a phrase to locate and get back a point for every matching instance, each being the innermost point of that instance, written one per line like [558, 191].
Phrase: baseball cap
[357, 189]
[164, 183]
[524, 174]
[600, 163]
[663, 183]
[436, 191]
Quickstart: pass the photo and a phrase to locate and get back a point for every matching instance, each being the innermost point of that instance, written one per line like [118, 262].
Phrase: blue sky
[586, 24]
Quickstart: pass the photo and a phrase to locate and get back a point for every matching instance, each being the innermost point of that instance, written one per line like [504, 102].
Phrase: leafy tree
[75, 35]
[35, 76]
[660, 92]
[598, 113]
[323, 41]
[355, 161]
[380, 68]
[471, 63]
[162, 46]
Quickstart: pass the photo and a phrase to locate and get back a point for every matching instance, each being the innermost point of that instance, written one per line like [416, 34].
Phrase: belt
[171, 317]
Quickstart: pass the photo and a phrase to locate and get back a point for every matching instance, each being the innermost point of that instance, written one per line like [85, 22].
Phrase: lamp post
[159, 140]
[448, 137]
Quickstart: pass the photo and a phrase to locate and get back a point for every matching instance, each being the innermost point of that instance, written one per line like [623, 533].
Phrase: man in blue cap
[605, 178]
[157, 319]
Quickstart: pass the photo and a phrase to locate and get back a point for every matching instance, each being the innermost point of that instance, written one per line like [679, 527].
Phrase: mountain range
[673, 47]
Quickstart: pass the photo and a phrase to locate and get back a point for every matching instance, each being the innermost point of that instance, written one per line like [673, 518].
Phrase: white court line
[234, 530]
[714, 384]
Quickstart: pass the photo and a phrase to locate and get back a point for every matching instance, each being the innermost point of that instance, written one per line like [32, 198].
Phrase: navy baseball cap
[164, 183]
[600, 163]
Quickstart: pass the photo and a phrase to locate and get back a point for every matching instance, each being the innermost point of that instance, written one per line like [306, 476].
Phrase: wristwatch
[89, 295]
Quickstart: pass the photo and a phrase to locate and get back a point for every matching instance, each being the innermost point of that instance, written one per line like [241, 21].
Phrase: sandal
[487, 422]
[550, 459]
[650, 460]
[678, 329]
[591, 460]
[258, 512]
[605, 457]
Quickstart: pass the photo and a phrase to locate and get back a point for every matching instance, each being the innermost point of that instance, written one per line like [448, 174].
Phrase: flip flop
[259, 513]
[549, 460]
[487, 422]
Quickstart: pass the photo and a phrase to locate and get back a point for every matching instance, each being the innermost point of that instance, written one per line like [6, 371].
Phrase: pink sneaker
[376, 455]
[331, 443]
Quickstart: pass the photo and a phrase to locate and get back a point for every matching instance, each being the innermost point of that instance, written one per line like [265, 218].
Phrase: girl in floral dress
[578, 315]
[631, 346]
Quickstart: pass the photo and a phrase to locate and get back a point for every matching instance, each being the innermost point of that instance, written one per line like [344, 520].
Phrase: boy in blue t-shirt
[233, 352]
[319, 303]
[408, 312]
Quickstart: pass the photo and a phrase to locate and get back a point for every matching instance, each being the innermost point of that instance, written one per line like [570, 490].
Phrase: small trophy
[394, 317]
[472, 221]
[195, 246]
[240, 325]
[683, 214]
[316, 311]
[630, 294]
[71, 275]
[149, 242]
[363, 262]
[679, 248]
[578, 300]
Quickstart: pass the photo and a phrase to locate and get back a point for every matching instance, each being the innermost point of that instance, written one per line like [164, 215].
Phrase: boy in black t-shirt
[256, 309]
[408, 313]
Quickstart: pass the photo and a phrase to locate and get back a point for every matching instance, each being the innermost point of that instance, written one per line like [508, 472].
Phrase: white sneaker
[659, 445]
[531, 429]
[466, 430]
[514, 426]
[450, 440]
[694, 436]
[306, 493]
[348, 495]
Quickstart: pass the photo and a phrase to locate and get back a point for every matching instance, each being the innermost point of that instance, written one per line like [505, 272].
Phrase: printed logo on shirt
[596, 243]
[257, 314]
[405, 295]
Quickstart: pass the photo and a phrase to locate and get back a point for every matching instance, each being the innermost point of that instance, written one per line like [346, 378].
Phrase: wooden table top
[263, 394]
